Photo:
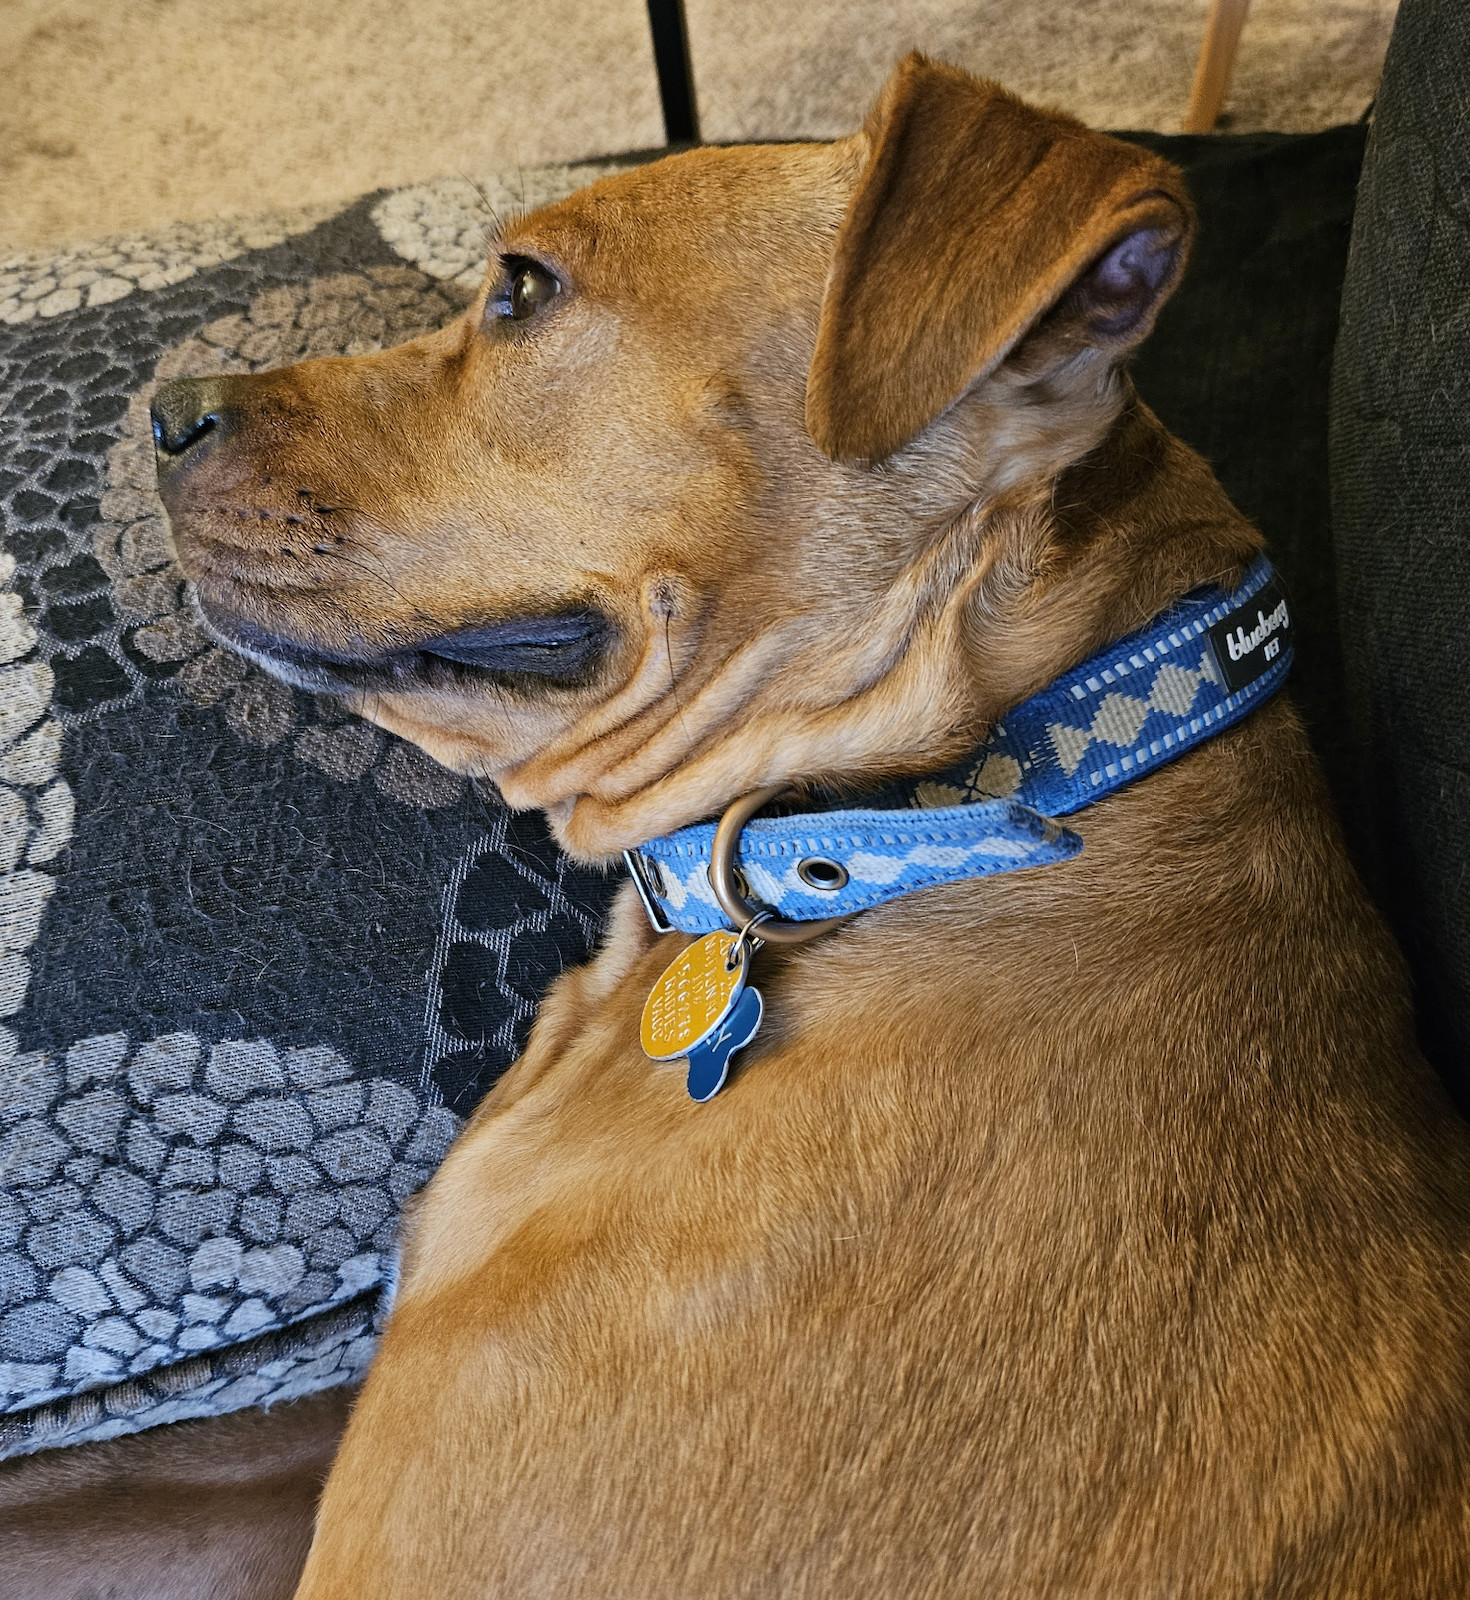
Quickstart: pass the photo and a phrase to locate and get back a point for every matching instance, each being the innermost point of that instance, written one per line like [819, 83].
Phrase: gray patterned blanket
[257, 959]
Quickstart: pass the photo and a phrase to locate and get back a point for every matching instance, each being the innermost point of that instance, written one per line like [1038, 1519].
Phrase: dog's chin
[535, 654]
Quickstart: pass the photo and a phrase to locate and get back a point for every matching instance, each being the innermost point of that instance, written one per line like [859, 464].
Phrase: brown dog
[216, 1509]
[1092, 1231]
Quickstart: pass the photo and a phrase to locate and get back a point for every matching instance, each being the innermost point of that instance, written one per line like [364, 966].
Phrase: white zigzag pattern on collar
[1118, 719]
[863, 867]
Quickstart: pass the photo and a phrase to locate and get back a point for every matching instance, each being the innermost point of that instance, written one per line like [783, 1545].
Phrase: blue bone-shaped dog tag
[709, 1060]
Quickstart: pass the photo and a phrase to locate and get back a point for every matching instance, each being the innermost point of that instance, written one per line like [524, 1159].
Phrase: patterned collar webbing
[1143, 701]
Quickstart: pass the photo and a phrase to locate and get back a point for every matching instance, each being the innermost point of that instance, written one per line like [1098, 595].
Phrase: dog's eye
[531, 286]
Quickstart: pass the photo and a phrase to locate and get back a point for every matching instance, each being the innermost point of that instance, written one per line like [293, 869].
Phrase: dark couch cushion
[1401, 506]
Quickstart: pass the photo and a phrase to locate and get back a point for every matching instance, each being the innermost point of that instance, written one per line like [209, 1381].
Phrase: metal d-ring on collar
[724, 879]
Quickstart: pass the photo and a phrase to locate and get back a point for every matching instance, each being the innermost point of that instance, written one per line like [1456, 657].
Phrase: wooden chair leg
[1216, 58]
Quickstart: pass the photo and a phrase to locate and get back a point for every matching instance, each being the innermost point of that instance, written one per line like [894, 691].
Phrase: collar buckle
[641, 872]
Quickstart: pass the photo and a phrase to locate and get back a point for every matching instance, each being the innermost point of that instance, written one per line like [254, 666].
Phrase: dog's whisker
[490, 211]
[381, 577]
[674, 684]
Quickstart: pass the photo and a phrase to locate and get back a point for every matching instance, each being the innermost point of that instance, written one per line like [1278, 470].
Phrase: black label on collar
[1253, 638]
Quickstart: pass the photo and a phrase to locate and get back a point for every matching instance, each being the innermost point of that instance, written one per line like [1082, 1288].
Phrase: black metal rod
[675, 74]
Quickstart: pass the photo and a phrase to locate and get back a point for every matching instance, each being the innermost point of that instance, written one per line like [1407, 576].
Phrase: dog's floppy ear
[975, 216]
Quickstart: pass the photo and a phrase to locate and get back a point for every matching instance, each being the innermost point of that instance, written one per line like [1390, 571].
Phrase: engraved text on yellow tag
[692, 997]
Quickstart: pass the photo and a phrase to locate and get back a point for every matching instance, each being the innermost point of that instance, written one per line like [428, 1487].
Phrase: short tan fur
[1091, 1231]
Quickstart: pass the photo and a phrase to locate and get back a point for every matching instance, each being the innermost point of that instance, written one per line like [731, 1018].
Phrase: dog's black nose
[185, 412]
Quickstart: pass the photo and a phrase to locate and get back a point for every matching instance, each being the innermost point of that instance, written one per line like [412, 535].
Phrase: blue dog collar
[1144, 701]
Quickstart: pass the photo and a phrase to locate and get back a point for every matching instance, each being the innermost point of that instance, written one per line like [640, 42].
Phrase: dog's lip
[562, 645]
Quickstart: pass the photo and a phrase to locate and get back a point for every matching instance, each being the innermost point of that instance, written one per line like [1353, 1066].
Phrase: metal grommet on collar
[825, 876]
[723, 873]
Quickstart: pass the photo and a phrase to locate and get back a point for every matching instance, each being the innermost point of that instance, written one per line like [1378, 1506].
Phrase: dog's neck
[1010, 595]
[1139, 704]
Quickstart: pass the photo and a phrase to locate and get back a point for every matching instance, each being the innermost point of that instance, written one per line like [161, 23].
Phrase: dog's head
[730, 475]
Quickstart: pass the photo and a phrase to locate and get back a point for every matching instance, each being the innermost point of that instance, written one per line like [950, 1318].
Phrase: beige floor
[772, 69]
[124, 114]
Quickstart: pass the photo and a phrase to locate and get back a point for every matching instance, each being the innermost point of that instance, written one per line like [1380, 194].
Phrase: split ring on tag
[745, 944]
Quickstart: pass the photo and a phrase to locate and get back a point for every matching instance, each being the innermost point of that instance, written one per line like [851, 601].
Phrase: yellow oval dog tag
[696, 993]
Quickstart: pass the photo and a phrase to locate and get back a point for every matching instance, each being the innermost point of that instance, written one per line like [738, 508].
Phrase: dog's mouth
[562, 649]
